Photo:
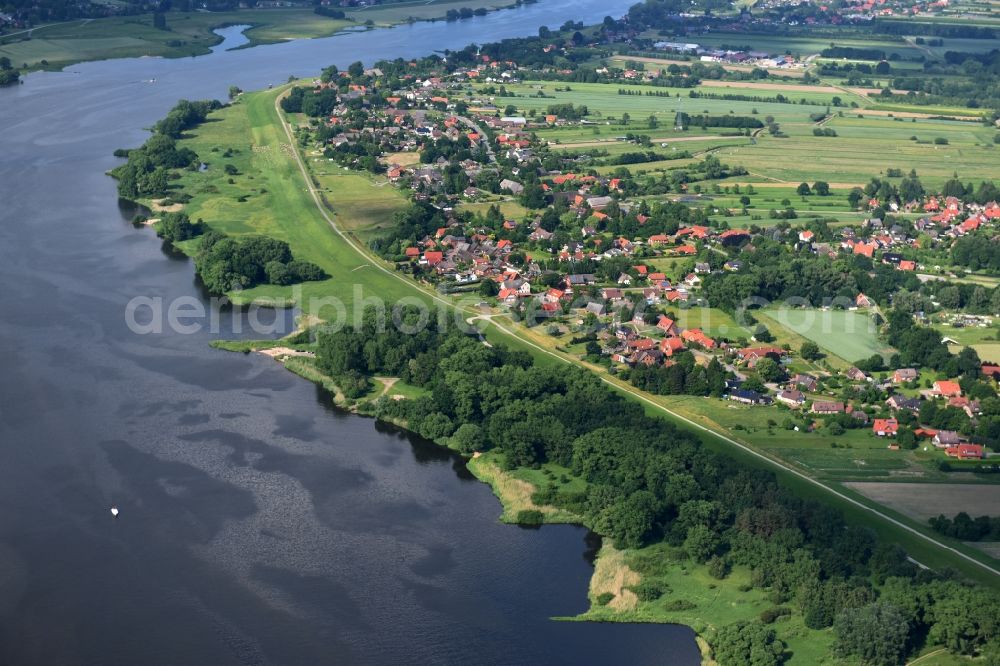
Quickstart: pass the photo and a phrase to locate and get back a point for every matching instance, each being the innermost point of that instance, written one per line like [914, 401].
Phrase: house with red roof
[659, 239]
[966, 452]
[671, 346]
[697, 337]
[685, 250]
[946, 388]
[433, 258]
[667, 325]
[885, 427]
[865, 249]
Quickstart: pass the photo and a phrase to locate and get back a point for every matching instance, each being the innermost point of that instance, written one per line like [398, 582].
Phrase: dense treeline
[177, 227]
[145, 174]
[966, 528]
[8, 74]
[184, 116]
[310, 102]
[935, 29]
[776, 272]
[852, 53]
[684, 377]
[225, 264]
[649, 482]
[975, 254]
[703, 121]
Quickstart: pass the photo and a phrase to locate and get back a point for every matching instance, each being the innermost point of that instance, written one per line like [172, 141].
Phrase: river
[258, 525]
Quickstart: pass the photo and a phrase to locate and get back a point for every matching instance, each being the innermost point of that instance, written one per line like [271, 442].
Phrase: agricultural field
[803, 46]
[921, 501]
[849, 335]
[868, 141]
[713, 321]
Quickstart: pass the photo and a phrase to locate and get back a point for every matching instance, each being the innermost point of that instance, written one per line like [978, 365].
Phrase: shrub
[532, 517]
[648, 591]
[769, 615]
[604, 598]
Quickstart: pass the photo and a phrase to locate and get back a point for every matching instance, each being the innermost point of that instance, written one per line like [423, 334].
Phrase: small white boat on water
[114, 510]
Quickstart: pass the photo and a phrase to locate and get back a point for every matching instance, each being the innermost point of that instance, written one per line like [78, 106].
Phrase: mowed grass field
[276, 203]
[374, 203]
[849, 335]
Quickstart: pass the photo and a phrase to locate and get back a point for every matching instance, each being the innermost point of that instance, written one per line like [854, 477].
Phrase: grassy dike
[269, 196]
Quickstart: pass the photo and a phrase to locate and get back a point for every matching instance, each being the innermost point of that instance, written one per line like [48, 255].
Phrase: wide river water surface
[258, 525]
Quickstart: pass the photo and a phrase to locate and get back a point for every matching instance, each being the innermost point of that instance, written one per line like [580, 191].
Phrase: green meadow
[867, 143]
[268, 197]
[188, 33]
[850, 335]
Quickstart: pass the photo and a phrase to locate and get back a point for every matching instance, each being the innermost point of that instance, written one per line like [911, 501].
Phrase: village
[590, 255]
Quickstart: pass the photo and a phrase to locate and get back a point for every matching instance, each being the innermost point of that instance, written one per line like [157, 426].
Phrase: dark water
[258, 525]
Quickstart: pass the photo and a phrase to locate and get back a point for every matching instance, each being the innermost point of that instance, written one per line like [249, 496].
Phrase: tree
[876, 634]
[469, 438]
[810, 351]
[803, 189]
[488, 288]
[159, 20]
[747, 643]
[701, 543]
[822, 188]
[769, 370]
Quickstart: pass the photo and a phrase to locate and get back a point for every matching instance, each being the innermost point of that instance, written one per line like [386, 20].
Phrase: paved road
[475, 128]
[623, 387]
